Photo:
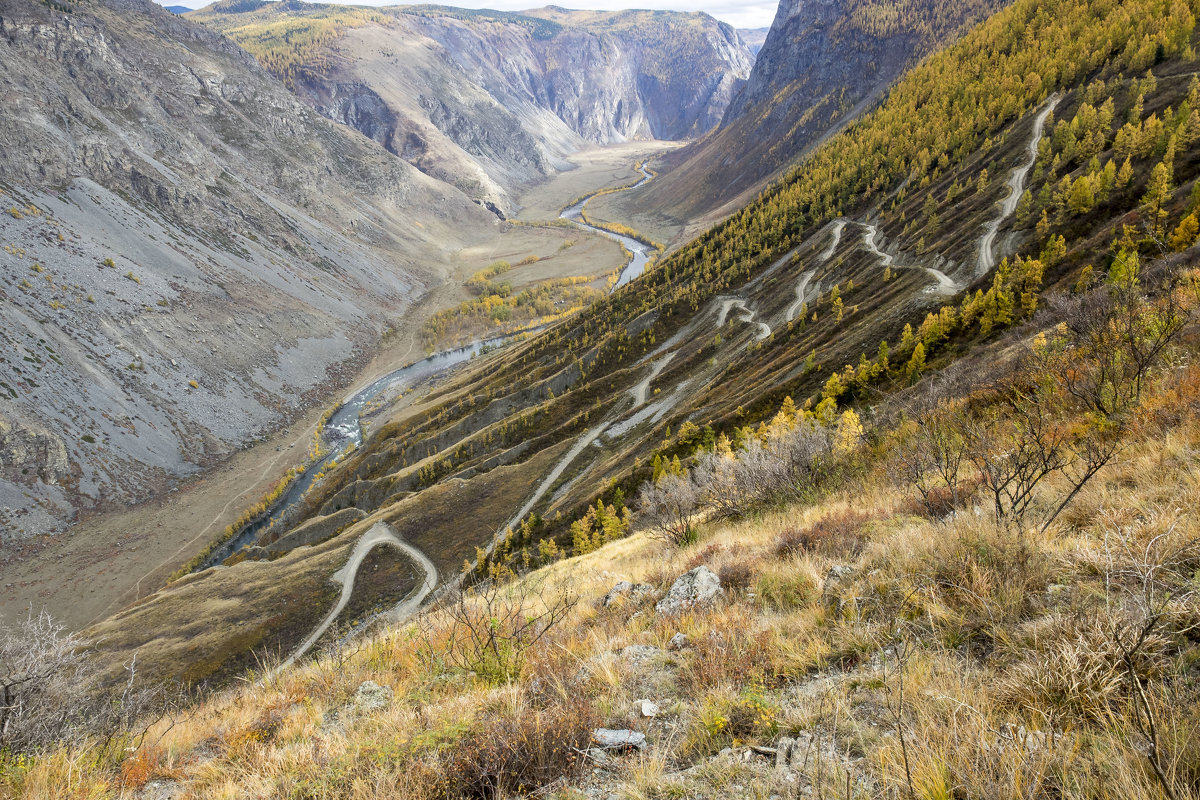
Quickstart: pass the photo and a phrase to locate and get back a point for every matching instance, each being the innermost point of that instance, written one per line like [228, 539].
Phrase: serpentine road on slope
[379, 534]
[382, 533]
[747, 315]
[945, 284]
[1016, 185]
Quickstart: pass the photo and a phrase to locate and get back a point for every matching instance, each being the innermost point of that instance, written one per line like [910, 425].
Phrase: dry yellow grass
[951, 658]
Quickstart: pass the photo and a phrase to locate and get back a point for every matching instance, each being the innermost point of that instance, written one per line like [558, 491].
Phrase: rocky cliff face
[188, 254]
[490, 101]
[822, 63]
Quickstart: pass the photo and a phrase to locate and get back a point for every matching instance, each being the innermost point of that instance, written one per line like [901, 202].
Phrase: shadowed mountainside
[823, 63]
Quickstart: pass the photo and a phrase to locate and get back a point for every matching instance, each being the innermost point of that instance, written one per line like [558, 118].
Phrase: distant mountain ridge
[821, 64]
[487, 100]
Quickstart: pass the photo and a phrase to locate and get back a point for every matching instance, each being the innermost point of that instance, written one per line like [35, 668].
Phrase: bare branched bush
[42, 668]
[790, 466]
[1116, 336]
[511, 754]
[932, 457]
[668, 505]
[489, 629]
[1014, 445]
[52, 692]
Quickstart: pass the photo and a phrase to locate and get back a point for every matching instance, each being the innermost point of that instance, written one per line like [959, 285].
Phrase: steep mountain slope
[867, 265]
[822, 63]
[871, 591]
[490, 101]
[190, 255]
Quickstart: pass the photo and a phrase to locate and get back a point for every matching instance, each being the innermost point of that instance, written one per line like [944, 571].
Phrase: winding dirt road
[945, 284]
[747, 315]
[801, 288]
[1016, 185]
[379, 534]
[639, 391]
[839, 225]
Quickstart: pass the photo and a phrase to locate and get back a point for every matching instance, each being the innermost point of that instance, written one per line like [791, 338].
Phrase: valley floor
[114, 558]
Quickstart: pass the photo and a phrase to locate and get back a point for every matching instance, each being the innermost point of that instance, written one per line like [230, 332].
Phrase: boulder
[699, 587]
[627, 592]
[372, 697]
[610, 739]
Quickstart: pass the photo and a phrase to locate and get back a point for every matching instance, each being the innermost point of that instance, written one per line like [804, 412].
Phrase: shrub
[939, 502]
[518, 754]
[667, 506]
[791, 466]
[839, 534]
[736, 576]
[51, 692]
[733, 651]
[489, 630]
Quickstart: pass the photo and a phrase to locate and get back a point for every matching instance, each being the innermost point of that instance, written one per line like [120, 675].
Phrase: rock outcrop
[700, 587]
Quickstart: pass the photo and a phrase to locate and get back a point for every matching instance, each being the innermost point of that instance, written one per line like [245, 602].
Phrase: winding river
[642, 252]
[343, 430]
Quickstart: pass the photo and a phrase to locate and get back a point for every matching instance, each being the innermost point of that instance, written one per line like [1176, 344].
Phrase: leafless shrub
[489, 629]
[737, 575]
[517, 754]
[790, 466]
[839, 534]
[668, 506]
[1014, 445]
[52, 692]
[932, 457]
[1117, 335]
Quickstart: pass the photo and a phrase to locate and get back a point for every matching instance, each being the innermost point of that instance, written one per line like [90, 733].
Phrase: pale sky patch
[752, 14]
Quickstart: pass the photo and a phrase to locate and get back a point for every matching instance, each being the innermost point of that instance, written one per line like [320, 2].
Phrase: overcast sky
[748, 14]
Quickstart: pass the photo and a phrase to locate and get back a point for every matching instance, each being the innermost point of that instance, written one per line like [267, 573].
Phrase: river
[343, 428]
[341, 431]
[642, 252]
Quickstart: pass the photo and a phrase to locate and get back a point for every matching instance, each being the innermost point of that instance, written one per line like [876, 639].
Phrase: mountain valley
[342, 422]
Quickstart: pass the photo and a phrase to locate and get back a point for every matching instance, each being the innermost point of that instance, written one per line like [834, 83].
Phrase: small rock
[701, 586]
[372, 697]
[626, 739]
[629, 592]
[639, 654]
[648, 708]
[838, 572]
[678, 641]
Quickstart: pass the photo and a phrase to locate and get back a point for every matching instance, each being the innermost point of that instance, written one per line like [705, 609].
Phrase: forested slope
[822, 65]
